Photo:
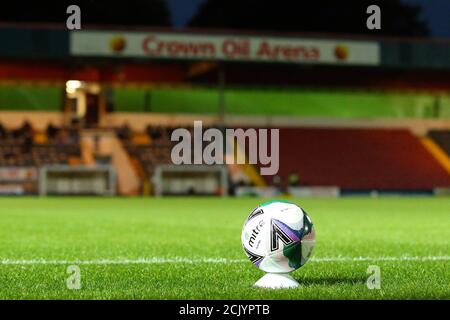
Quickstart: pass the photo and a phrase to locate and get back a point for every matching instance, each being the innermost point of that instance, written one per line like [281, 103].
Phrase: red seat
[359, 159]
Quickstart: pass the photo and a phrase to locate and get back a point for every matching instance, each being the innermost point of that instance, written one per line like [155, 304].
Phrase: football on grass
[278, 237]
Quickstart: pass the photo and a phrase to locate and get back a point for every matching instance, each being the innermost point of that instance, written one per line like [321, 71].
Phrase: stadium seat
[364, 159]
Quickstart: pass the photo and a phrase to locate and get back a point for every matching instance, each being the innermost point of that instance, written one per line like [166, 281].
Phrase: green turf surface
[91, 229]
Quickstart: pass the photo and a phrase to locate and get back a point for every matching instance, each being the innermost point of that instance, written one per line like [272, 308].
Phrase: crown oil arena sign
[164, 45]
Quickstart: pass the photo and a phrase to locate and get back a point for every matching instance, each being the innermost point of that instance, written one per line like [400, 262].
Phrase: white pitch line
[153, 260]
[401, 258]
[180, 260]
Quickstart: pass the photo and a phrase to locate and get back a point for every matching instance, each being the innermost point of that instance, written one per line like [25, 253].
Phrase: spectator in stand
[153, 132]
[74, 136]
[9, 153]
[124, 132]
[23, 131]
[27, 142]
[3, 132]
[62, 137]
[52, 131]
[169, 131]
[293, 179]
[26, 128]
[276, 182]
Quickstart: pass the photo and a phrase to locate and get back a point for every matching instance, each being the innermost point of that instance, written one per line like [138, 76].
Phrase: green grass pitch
[141, 248]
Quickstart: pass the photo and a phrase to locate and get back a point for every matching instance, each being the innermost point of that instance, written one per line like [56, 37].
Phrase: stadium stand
[25, 147]
[149, 149]
[351, 159]
[442, 138]
[363, 159]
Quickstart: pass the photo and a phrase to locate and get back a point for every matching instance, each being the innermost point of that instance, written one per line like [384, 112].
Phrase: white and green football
[278, 237]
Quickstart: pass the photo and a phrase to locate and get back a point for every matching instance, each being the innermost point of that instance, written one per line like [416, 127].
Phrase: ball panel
[308, 243]
[293, 253]
[278, 237]
[275, 263]
[291, 216]
[256, 212]
[254, 235]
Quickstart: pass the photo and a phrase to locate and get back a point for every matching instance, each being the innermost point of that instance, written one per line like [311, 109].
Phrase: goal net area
[77, 180]
[190, 180]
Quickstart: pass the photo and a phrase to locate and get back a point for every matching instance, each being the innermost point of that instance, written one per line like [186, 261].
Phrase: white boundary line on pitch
[180, 260]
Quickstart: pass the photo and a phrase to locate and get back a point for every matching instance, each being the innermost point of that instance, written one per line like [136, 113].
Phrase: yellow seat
[40, 138]
[141, 138]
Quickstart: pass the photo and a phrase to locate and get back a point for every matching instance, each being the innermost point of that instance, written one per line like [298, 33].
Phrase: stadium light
[73, 85]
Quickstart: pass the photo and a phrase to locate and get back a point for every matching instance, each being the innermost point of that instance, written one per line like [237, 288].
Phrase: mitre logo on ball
[278, 237]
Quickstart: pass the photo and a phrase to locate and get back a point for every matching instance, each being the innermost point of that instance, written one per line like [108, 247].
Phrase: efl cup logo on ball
[278, 237]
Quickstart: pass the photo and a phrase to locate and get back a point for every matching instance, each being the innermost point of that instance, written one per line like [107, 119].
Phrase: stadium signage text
[164, 45]
[213, 147]
[228, 49]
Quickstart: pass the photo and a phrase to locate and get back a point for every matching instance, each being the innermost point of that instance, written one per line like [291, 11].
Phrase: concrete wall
[138, 121]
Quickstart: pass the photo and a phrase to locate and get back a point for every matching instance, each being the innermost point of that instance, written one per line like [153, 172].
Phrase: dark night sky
[182, 10]
[435, 12]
